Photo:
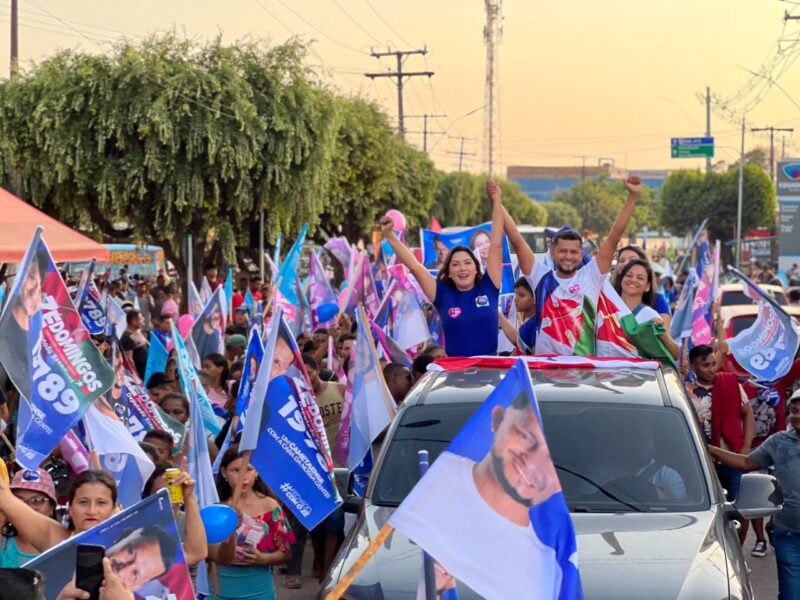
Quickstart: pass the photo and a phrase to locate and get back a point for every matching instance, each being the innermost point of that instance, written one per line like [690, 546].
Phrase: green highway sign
[692, 147]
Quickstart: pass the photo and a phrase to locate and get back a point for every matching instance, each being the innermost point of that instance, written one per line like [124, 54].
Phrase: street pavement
[763, 575]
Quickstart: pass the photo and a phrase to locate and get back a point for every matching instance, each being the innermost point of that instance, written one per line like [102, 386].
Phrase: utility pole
[461, 154]
[739, 235]
[492, 35]
[708, 124]
[425, 132]
[14, 39]
[783, 147]
[400, 75]
[772, 131]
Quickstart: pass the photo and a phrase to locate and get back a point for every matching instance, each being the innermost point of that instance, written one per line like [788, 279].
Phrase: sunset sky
[584, 78]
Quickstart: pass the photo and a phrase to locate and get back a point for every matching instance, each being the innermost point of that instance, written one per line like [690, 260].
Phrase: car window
[738, 297]
[739, 324]
[610, 457]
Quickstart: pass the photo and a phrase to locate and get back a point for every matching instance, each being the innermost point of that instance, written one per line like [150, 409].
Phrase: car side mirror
[345, 482]
[759, 496]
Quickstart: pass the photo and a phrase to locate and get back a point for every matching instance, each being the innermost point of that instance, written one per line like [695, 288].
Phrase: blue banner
[287, 458]
[435, 246]
[490, 509]
[90, 304]
[208, 332]
[252, 359]
[157, 357]
[767, 348]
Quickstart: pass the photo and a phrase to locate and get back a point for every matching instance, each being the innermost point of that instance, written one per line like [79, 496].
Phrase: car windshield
[611, 456]
[738, 298]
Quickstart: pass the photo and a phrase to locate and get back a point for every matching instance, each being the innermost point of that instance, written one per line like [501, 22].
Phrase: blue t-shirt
[662, 305]
[469, 319]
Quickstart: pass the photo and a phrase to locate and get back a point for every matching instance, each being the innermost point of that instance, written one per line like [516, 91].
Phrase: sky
[579, 81]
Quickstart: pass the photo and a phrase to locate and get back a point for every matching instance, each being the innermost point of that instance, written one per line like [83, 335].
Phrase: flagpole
[427, 561]
[261, 244]
[341, 588]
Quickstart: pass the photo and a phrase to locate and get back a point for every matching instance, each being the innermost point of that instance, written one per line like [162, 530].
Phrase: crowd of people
[745, 424]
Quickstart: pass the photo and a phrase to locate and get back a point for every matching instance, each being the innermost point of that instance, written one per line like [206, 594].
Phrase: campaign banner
[252, 359]
[195, 303]
[435, 247]
[681, 325]
[157, 357]
[360, 289]
[143, 545]
[490, 509]
[409, 325]
[708, 267]
[116, 323]
[208, 331]
[89, 302]
[767, 348]
[287, 456]
[48, 355]
[321, 293]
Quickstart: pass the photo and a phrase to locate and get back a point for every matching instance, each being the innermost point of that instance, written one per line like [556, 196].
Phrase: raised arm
[195, 543]
[426, 281]
[523, 251]
[605, 254]
[494, 266]
[508, 329]
[35, 528]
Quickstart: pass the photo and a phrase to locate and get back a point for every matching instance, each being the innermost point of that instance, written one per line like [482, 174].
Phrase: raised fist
[633, 185]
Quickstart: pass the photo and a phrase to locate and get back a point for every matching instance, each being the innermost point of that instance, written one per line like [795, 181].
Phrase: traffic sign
[692, 147]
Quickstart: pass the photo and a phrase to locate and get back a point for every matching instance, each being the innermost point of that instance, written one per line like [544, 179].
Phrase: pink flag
[701, 325]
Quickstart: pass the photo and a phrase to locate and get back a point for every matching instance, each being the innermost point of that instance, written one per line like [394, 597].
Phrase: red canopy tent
[18, 221]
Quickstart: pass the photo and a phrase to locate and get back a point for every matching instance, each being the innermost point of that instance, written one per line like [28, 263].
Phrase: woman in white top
[636, 285]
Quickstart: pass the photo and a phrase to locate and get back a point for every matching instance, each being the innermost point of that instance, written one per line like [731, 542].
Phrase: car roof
[737, 287]
[472, 380]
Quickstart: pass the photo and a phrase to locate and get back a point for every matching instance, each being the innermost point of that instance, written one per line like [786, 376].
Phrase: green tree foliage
[461, 200]
[688, 197]
[598, 200]
[561, 213]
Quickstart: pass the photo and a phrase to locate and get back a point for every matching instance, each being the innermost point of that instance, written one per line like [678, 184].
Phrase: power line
[425, 132]
[318, 30]
[772, 131]
[385, 22]
[356, 23]
[400, 75]
[461, 154]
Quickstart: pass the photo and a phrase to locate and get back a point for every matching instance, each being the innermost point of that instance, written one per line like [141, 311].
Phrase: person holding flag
[466, 298]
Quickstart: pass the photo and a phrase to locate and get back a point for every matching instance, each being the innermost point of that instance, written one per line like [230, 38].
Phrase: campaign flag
[320, 290]
[157, 357]
[197, 452]
[285, 288]
[283, 356]
[74, 452]
[372, 406]
[701, 308]
[195, 302]
[435, 226]
[249, 301]
[252, 359]
[302, 320]
[48, 355]
[229, 288]
[191, 381]
[342, 449]
[339, 248]
[140, 413]
[205, 291]
[276, 255]
[435, 247]
[117, 321]
[390, 348]
[681, 325]
[334, 364]
[287, 455]
[117, 451]
[617, 332]
[504, 541]
[436, 327]
[361, 289]
[89, 302]
[146, 530]
[208, 331]
[767, 348]
[409, 325]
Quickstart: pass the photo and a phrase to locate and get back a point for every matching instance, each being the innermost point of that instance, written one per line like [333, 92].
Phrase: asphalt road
[763, 574]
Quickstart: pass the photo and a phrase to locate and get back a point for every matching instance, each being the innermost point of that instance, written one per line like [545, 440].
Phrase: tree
[561, 213]
[688, 197]
[168, 137]
[461, 200]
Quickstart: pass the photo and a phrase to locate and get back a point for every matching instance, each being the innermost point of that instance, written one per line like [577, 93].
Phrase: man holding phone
[112, 587]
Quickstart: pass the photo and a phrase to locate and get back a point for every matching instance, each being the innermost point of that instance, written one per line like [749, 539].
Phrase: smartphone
[89, 569]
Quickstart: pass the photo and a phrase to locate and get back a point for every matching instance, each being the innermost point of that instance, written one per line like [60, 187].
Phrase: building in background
[541, 183]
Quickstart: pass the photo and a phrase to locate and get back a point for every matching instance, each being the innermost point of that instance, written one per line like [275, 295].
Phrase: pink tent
[18, 221]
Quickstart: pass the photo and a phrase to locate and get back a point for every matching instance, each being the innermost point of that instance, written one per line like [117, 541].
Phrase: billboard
[788, 192]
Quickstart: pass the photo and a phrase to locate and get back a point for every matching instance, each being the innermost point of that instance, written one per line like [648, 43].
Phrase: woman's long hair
[444, 272]
[649, 297]
[224, 489]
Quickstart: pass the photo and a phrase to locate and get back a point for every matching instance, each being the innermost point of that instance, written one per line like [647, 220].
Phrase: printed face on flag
[49, 356]
[435, 247]
[143, 546]
[480, 508]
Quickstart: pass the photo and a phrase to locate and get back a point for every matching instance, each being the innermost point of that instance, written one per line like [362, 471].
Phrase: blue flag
[681, 325]
[90, 304]
[229, 288]
[157, 357]
[767, 348]
[252, 359]
[490, 509]
[287, 272]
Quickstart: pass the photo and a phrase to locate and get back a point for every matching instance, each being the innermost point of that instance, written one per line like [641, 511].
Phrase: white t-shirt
[495, 557]
[561, 317]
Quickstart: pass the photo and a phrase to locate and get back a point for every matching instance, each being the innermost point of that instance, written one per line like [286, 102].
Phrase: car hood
[620, 556]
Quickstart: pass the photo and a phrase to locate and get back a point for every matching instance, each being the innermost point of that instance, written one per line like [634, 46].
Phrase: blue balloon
[326, 312]
[219, 521]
